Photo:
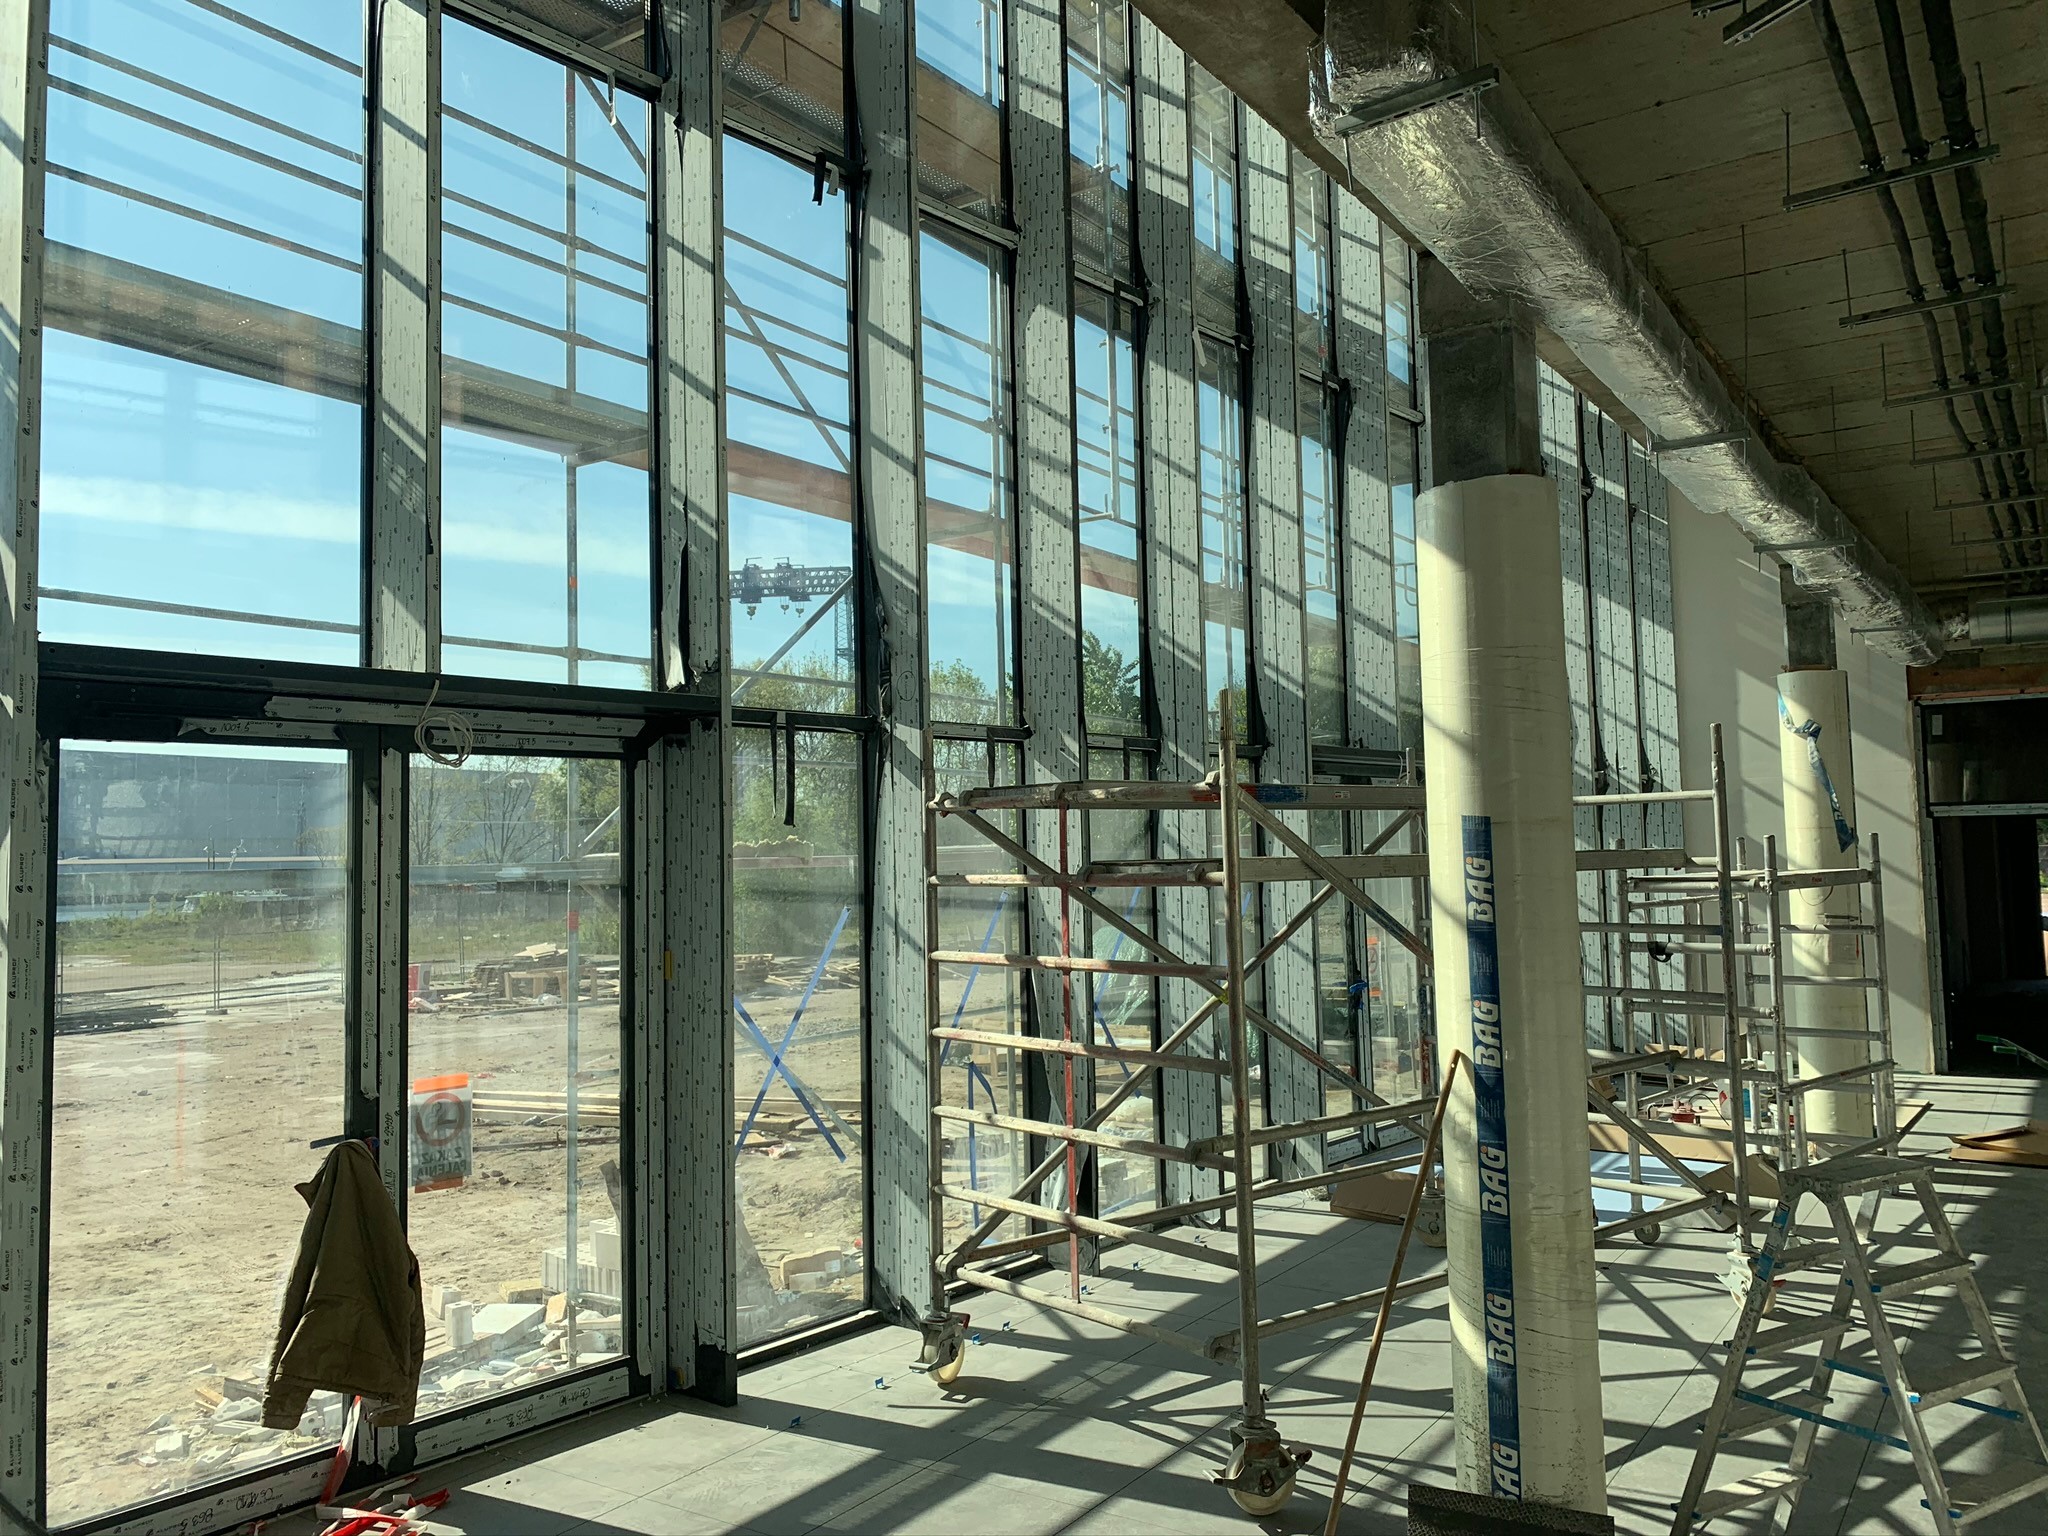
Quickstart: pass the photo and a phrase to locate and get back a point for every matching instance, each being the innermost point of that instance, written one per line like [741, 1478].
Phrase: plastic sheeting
[1815, 758]
[1518, 1199]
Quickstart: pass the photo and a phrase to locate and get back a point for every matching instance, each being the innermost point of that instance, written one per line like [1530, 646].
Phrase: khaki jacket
[352, 1320]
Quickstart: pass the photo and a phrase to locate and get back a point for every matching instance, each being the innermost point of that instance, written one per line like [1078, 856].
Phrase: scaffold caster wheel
[1263, 1489]
[1648, 1235]
[944, 1352]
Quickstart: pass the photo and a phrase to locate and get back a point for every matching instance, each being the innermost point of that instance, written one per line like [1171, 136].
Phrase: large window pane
[1322, 550]
[202, 422]
[784, 69]
[789, 453]
[1312, 271]
[797, 1106]
[1225, 589]
[960, 105]
[970, 539]
[1403, 454]
[1099, 133]
[1122, 1010]
[513, 943]
[981, 1074]
[1106, 480]
[202, 910]
[1212, 127]
[1398, 280]
[544, 339]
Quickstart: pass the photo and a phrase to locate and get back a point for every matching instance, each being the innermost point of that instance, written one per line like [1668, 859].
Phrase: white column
[1814, 755]
[1518, 1201]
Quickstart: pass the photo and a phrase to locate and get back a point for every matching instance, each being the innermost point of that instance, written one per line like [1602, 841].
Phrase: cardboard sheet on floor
[1374, 1196]
[2015, 1146]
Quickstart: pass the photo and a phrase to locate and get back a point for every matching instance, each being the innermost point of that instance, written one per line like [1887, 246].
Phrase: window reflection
[789, 448]
[1225, 589]
[203, 373]
[784, 69]
[1403, 454]
[1213, 130]
[1312, 269]
[960, 105]
[1398, 273]
[1099, 133]
[1322, 559]
[970, 539]
[545, 380]
[1106, 485]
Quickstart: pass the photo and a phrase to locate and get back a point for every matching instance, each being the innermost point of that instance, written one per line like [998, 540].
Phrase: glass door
[202, 898]
[513, 989]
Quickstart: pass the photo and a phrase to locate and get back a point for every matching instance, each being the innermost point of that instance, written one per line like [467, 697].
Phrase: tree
[1109, 686]
[495, 819]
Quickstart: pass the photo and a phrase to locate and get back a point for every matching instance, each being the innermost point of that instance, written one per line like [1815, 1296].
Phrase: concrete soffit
[1480, 179]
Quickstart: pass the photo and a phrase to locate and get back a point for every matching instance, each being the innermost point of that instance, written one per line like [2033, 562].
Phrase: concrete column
[1814, 755]
[1497, 751]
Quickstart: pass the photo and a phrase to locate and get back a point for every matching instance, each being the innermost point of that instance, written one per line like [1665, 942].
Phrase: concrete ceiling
[1682, 140]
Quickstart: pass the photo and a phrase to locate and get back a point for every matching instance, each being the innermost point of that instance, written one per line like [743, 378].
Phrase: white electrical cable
[455, 726]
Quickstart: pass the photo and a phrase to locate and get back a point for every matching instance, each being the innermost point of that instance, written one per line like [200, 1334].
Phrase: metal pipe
[1902, 242]
[1954, 92]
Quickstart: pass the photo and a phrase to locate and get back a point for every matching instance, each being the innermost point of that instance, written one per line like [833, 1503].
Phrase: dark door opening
[1993, 871]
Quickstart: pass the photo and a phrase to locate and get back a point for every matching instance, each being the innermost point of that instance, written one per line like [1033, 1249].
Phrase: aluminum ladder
[1861, 1292]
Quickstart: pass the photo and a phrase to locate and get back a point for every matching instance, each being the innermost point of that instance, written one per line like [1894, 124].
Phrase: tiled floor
[1059, 1425]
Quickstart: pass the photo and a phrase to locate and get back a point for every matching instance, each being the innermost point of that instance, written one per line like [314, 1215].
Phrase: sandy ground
[174, 1221]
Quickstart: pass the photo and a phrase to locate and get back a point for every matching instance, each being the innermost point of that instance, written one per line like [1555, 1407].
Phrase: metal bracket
[1400, 104]
[1813, 196]
[1799, 544]
[1706, 440]
[1750, 23]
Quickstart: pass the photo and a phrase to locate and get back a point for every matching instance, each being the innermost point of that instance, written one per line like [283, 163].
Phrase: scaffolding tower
[1719, 1047]
[1262, 1469]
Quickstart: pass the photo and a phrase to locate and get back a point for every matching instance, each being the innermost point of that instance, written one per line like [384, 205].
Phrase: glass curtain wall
[1404, 480]
[789, 448]
[199, 1049]
[202, 416]
[546, 430]
[798, 901]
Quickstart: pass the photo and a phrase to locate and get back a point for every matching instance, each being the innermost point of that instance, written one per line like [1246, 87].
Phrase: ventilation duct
[1480, 181]
[2001, 621]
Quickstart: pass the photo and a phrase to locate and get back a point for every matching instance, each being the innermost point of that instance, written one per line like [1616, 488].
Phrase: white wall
[1730, 639]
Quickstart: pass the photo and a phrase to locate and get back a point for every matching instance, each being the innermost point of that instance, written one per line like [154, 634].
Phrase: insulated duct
[1481, 182]
[1518, 1201]
[2001, 621]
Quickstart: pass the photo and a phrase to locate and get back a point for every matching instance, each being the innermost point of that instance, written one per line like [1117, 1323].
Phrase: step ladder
[1861, 1293]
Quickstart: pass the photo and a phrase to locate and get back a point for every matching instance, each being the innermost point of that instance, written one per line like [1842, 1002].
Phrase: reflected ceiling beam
[132, 306]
